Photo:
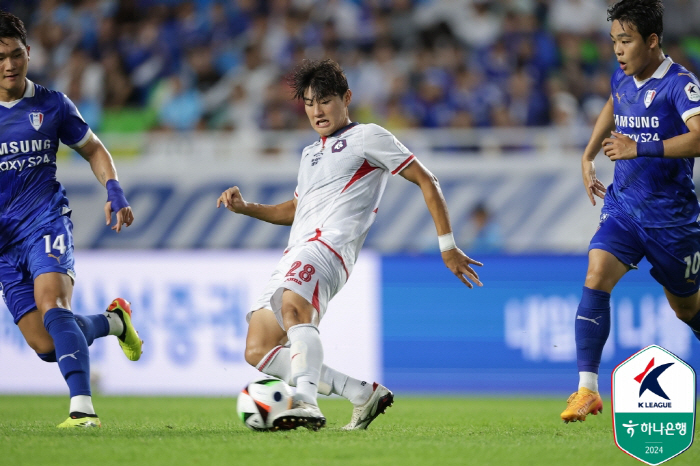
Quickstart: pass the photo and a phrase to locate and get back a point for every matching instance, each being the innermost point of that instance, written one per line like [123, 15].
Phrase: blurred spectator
[482, 234]
[89, 108]
[578, 16]
[425, 63]
[182, 108]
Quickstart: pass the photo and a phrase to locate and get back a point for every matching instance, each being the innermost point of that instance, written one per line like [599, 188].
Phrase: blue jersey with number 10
[657, 192]
[30, 130]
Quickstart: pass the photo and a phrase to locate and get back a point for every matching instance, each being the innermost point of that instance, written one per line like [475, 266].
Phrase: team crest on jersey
[339, 145]
[692, 91]
[649, 97]
[36, 119]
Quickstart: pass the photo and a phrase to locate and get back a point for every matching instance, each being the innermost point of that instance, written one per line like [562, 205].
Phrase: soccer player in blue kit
[651, 127]
[36, 240]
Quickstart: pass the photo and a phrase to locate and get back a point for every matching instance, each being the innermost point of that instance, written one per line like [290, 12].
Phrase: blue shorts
[49, 248]
[674, 253]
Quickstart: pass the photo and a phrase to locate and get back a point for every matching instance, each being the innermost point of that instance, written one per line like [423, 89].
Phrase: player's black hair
[12, 27]
[647, 16]
[325, 77]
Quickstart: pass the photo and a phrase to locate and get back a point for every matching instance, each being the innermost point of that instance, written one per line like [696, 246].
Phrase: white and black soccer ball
[261, 401]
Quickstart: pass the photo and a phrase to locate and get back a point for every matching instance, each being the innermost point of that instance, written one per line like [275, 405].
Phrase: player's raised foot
[301, 414]
[129, 339]
[580, 404]
[81, 420]
[363, 415]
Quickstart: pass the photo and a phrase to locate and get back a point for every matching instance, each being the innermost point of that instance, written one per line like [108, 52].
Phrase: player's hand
[592, 184]
[619, 147]
[232, 200]
[460, 265]
[124, 216]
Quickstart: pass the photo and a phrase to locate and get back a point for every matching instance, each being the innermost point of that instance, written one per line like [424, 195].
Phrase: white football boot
[301, 414]
[362, 415]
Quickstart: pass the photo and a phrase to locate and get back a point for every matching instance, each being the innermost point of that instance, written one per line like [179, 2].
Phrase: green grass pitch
[415, 431]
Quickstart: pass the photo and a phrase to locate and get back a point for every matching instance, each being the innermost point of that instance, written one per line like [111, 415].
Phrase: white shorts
[312, 271]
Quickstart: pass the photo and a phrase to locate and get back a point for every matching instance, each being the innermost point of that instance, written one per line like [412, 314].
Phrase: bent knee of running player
[296, 310]
[264, 333]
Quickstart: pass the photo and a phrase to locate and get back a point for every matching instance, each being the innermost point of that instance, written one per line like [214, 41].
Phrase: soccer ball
[261, 400]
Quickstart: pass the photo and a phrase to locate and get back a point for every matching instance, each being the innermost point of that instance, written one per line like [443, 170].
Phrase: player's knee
[596, 280]
[684, 312]
[254, 354]
[41, 346]
[292, 315]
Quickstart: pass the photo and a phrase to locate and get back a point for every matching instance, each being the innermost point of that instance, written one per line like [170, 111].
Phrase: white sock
[116, 326]
[81, 404]
[588, 380]
[277, 363]
[306, 360]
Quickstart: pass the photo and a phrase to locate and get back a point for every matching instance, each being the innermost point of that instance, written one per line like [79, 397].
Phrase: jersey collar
[28, 92]
[658, 74]
[340, 131]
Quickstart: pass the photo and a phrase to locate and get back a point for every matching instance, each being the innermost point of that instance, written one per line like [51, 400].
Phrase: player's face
[14, 58]
[327, 114]
[632, 52]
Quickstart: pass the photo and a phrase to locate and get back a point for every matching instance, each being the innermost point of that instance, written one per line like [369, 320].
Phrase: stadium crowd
[137, 65]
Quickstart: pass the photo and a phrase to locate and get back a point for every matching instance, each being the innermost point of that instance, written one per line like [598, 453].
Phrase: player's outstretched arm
[102, 166]
[280, 214]
[603, 125]
[621, 147]
[455, 260]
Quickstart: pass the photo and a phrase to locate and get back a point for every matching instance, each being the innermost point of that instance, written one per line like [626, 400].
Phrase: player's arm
[280, 214]
[686, 145]
[453, 257]
[603, 126]
[102, 166]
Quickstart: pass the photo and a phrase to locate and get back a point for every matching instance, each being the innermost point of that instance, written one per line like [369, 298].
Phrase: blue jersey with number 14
[657, 192]
[30, 130]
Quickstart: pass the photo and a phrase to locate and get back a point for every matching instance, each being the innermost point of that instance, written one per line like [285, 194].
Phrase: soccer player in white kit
[341, 180]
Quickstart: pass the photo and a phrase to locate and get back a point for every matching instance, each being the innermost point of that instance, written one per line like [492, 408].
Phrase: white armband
[447, 242]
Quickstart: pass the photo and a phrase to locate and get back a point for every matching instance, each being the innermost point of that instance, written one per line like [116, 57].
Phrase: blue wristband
[650, 149]
[115, 195]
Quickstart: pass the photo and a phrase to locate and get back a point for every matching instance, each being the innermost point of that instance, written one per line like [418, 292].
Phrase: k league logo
[653, 404]
[651, 381]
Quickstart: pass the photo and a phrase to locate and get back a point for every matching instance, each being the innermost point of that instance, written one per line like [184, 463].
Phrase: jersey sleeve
[73, 131]
[686, 95]
[382, 149]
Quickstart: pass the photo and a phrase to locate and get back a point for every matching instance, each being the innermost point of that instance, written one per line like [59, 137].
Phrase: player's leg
[52, 294]
[300, 320]
[93, 327]
[32, 327]
[592, 328]
[674, 254]
[266, 350]
[48, 255]
[687, 309]
[614, 249]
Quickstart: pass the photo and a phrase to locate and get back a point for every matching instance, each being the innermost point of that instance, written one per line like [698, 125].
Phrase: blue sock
[47, 357]
[94, 326]
[71, 350]
[694, 325]
[592, 328]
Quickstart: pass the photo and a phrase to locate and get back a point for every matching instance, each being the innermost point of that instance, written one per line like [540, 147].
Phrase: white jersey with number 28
[341, 181]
